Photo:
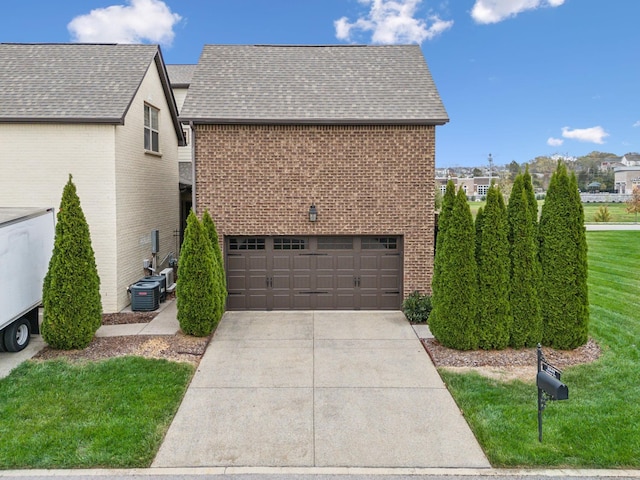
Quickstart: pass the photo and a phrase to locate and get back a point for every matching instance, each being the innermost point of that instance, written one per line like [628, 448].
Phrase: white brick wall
[124, 192]
[146, 186]
[37, 161]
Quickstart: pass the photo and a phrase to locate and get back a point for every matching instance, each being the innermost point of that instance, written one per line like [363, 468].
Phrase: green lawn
[618, 211]
[112, 413]
[599, 426]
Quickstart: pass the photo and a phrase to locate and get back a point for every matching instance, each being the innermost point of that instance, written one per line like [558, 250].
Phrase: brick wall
[364, 180]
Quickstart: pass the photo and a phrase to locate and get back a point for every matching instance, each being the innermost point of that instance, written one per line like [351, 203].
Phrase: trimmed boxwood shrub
[195, 290]
[417, 307]
[71, 293]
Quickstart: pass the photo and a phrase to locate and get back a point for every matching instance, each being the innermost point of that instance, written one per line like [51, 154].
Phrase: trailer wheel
[17, 335]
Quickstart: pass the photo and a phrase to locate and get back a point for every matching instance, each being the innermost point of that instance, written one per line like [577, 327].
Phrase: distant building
[627, 178]
[472, 186]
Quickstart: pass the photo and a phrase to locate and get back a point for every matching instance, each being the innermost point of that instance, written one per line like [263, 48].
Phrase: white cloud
[555, 142]
[637, 124]
[392, 21]
[139, 21]
[494, 11]
[592, 135]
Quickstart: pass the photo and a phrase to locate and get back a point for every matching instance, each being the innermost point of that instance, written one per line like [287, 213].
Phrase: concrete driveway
[318, 389]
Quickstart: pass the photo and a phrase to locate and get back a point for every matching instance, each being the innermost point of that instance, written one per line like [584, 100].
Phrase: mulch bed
[447, 357]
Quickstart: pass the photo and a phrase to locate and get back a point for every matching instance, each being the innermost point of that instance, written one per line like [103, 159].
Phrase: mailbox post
[549, 386]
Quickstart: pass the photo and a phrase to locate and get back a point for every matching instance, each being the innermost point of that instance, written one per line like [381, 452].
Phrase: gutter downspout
[193, 166]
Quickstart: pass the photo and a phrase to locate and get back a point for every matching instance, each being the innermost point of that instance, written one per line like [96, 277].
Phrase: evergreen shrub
[454, 287]
[526, 330]
[563, 259]
[494, 310]
[72, 310]
[417, 307]
[219, 275]
[195, 291]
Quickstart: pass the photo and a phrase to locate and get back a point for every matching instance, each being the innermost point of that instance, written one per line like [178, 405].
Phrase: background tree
[514, 170]
[602, 215]
[195, 290]
[527, 184]
[526, 330]
[563, 259]
[218, 267]
[494, 310]
[633, 204]
[455, 289]
[71, 293]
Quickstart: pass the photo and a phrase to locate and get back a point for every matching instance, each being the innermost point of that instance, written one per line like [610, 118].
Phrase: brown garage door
[314, 273]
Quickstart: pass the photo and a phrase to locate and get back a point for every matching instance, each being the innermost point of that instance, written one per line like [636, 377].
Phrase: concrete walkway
[318, 389]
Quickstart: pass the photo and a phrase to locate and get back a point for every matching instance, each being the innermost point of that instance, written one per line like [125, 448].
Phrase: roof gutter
[313, 121]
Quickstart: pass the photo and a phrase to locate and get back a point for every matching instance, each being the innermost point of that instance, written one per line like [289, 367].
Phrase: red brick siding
[261, 180]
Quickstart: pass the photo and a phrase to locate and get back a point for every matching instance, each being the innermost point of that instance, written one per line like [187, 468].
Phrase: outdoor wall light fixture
[313, 213]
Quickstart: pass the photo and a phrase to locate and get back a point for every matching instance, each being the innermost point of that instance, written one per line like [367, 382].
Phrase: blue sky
[519, 78]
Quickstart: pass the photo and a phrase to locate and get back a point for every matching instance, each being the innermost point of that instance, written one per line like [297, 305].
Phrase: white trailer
[26, 245]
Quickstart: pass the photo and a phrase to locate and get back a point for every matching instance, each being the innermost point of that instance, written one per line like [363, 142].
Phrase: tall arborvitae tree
[220, 278]
[494, 270]
[72, 310]
[447, 206]
[581, 332]
[531, 197]
[455, 294]
[195, 291]
[526, 330]
[479, 220]
[563, 259]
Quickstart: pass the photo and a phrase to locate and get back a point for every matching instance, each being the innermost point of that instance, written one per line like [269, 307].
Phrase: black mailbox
[552, 386]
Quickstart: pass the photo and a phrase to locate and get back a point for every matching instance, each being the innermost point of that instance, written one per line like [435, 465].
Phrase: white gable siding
[37, 161]
[146, 186]
[184, 153]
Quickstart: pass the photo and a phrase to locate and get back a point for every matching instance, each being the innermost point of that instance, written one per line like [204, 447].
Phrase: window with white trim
[151, 130]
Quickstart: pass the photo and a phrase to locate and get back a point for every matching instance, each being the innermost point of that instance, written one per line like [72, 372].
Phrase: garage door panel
[301, 281]
[302, 262]
[302, 302]
[345, 301]
[256, 301]
[368, 262]
[314, 273]
[236, 282]
[325, 301]
[345, 262]
[257, 263]
[282, 262]
[324, 282]
[281, 281]
[389, 282]
[325, 262]
[390, 262]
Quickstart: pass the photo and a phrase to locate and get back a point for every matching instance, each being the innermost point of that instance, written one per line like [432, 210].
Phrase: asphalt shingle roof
[70, 82]
[313, 84]
[180, 75]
